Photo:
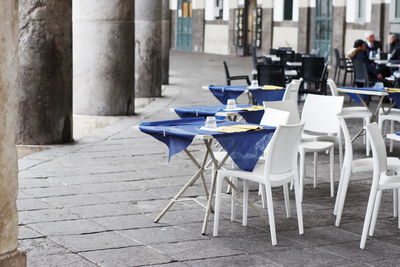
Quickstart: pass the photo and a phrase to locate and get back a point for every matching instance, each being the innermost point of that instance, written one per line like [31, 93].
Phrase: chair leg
[263, 196]
[234, 199]
[245, 201]
[331, 154]
[217, 207]
[391, 131]
[339, 191]
[375, 212]
[315, 168]
[344, 78]
[395, 202]
[298, 206]
[346, 172]
[398, 208]
[287, 199]
[271, 216]
[340, 148]
[302, 167]
[334, 76]
[368, 214]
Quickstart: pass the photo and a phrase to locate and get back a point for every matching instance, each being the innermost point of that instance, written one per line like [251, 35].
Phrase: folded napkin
[393, 90]
[238, 128]
[253, 108]
[271, 87]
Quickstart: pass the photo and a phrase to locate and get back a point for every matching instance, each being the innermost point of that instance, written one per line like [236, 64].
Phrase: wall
[216, 39]
[285, 36]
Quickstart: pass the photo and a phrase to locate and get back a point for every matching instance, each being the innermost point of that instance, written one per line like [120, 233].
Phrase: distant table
[250, 116]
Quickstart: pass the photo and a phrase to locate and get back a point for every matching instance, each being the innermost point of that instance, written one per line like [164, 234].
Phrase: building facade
[236, 27]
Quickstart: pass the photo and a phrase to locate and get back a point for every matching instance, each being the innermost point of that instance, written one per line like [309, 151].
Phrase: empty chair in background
[271, 75]
[230, 78]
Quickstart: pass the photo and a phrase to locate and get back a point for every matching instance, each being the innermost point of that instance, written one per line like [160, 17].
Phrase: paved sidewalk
[92, 203]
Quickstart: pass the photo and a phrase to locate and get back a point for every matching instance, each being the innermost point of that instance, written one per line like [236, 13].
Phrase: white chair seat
[363, 165]
[356, 112]
[257, 175]
[315, 146]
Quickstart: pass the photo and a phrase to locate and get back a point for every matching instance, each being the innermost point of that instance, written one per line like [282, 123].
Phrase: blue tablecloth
[225, 92]
[204, 111]
[355, 96]
[395, 97]
[245, 148]
[260, 95]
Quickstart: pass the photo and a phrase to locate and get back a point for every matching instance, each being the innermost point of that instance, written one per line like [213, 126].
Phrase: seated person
[372, 44]
[393, 42]
[360, 52]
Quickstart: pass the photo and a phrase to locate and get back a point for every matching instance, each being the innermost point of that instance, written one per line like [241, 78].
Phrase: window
[397, 9]
[361, 9]
[288, 10]
[217, 10]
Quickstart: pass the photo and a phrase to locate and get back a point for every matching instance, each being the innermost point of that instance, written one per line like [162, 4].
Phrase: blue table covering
[225, 92]
[355, 96]
[245, 148]
[204, 111]
[260, 95]
[395, 97]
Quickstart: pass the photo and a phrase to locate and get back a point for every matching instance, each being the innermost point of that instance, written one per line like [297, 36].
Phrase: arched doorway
[184, 25]
[323, 26]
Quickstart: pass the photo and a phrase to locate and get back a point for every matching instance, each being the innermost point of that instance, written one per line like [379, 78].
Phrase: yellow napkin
[253, 108]
[271, 87]
[393, 90]
[238, 128]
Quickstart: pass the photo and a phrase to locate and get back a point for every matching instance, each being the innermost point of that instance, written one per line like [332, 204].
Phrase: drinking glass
[231, 104]
[211, 122]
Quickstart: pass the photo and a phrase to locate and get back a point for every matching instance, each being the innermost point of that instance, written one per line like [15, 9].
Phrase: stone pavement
[92, 203]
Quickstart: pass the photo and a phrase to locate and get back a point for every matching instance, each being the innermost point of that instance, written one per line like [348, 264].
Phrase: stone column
[267, 25]
[166, 41]
[339, 25]
[304, 29]
[147, 48]
[103, 56]
[9, 254]
[45, 72]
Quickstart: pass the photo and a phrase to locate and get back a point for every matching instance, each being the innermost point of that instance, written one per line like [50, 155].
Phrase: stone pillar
[45, 72]
[304, 29]
[339, 25]
[267, 25]
[9, 254]
[147, 48]
[166, 41]
[103, 56]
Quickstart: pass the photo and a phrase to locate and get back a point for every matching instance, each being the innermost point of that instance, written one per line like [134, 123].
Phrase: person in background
[372, 44]
[393, 42]
[359, 52]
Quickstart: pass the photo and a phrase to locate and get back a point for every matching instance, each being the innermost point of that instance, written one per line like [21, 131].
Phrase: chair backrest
[286, 105]
[254, 56]
[360, 72]
[274, 117]
[348, 152]
[320, 113]
[378, 148]
[313, 68]
[288, 91]
[338, 60]
[226, 70]
[333, 87]
[281, 155]
[271, 74]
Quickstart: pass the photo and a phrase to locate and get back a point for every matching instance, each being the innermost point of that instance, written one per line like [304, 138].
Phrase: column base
[15, 258]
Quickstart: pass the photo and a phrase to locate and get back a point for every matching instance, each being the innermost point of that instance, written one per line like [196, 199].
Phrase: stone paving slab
[93, 202]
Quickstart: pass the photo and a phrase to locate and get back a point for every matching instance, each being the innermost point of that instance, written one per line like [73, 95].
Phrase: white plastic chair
[380, 181]
[292, 91]
[285, 105]
[279, 168]
[352, 166]
[353, 112]
[392, 116]
[319, 116]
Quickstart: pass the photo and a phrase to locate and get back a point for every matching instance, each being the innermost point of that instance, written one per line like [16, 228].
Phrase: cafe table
[243, 142]
[361, 93]
[257, 94]
[250, 113]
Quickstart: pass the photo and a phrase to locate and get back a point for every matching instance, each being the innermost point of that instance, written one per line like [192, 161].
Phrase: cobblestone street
[93, 202]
